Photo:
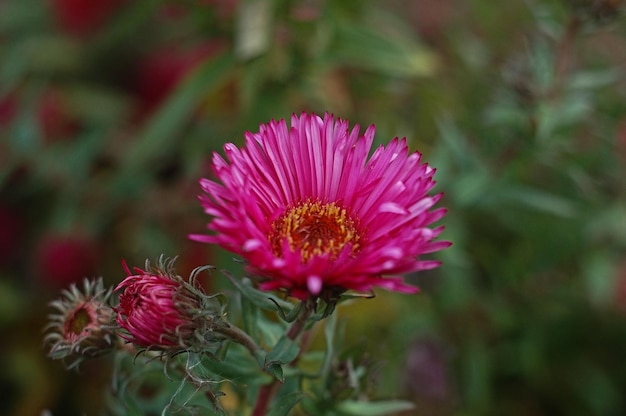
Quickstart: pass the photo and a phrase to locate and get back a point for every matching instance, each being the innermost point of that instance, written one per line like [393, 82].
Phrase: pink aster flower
[159, 310]
[312, 214]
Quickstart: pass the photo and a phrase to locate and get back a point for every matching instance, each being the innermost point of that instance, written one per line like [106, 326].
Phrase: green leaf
[330, 328]
[263, 300]
[477, 370]
[472, 187]
[250, 315]
[540, 200]
[270, 330]
[457, 144]
[285, 351]
[358, 408]
[11, 298]
[238, 367]
[598, 270]
[590, 79]
[128, 23]
[380, 45]
[276, 371]
[159, 135]
[551, 117]
[17, 15]
[284, 404]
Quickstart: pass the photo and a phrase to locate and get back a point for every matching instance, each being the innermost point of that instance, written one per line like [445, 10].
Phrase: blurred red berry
[83, 17]
[431, 18]
[65, 259]
[427, 370]
[55, 120]
[224, 8]
[10, 234]
[7, 109]
[619, 291]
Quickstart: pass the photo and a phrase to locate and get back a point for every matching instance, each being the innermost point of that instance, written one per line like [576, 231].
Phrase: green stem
[237, 335]
[563, 56]
[268, 391]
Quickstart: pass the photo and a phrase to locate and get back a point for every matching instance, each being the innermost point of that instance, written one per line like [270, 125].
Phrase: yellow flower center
[315, 228]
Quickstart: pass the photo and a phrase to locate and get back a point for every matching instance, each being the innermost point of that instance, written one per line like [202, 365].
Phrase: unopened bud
[84, 326]
[161, 311]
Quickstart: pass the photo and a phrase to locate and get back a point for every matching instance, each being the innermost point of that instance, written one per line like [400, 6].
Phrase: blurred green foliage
[110, 110]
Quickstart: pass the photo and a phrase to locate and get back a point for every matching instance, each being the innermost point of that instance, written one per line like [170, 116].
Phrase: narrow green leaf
[285, 351]
[598, 272]
[259, 298]
[381, 47]
[358, 408]
[160, 132]
[330, 329]
[457, 144]
[241, 372]
[269, 330]
[128, 22]
[540, 200]
[590, 79]
[250, 317]
[472, 187]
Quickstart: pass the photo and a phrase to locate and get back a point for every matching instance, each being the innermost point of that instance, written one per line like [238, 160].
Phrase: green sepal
[275, 370]
[291, 315]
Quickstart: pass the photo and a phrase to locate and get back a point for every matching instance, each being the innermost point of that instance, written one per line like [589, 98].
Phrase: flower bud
[84, 326]
[160, 311]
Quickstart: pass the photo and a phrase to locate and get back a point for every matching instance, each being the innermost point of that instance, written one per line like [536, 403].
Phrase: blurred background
[110, 110]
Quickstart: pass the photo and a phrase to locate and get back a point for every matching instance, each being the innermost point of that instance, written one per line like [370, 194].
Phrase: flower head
[161, 311]
[310, 213]
[84, 326]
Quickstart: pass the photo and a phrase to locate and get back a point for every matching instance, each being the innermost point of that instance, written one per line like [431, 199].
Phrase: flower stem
[563, 56]
[237, 335]
[268, 391]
